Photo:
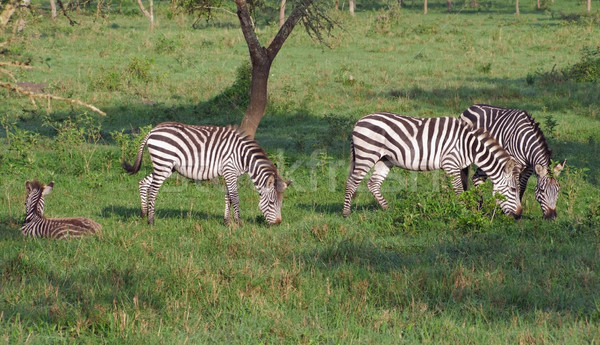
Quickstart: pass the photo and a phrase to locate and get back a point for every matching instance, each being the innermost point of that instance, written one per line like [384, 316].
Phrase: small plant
[485, 68]
[72, 139]
[139, 69]
[128, 142]
[551, 124]
[338, 130]
[479, 211]
[106, 80]
[588, 69]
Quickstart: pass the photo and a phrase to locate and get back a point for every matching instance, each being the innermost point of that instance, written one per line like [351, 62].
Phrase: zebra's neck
[256, 163]
[487, 153]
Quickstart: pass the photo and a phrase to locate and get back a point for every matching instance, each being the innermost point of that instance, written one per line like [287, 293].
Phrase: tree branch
[256, 50]
[33, 95]
[286, 29]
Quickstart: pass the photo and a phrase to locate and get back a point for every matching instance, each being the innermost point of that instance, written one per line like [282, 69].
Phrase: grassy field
[431, 269]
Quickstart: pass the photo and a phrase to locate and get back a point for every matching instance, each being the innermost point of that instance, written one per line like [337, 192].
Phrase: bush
[588, 69]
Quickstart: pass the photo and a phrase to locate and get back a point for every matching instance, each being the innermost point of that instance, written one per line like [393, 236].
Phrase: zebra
[523, 139]
[384, 140]
[36, 225]
[205, 152]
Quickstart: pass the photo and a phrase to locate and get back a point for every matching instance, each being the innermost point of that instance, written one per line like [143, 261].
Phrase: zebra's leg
[144, 184]
[464, 176]
[380, 172]
[157, 181]
[357, 174]
[523, 179]
[231, 198]
[457, 180]
[479, 177]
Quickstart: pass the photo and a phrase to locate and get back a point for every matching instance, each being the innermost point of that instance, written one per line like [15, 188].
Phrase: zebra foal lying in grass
[36, 225]
[203, 153]
[381, 141]
[523, 139]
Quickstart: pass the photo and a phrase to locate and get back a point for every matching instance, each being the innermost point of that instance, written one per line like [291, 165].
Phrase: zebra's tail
[132, 169]
[352, 157]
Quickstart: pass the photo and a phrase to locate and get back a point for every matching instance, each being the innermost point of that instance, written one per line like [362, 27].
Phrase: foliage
[588, 69]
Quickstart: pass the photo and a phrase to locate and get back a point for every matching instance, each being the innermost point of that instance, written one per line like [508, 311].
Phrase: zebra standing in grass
[523, 139]
[384, 140]
[37, 225]
[205, 152]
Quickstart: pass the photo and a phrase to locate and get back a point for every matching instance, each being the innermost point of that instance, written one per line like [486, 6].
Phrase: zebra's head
[508, 185]
[34, 202]
[546, 190]
[271, 198]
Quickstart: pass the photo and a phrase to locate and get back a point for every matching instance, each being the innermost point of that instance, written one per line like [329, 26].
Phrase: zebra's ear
[559, 167]
[282, 185]
[28, 186]
[48, 188]
[270, 182]
[510, 165]
[540, 170]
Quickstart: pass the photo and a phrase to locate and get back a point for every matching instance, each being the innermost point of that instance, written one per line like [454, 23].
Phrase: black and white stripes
[36, 225]
[384, 140]
[205, 152]
[522, 138]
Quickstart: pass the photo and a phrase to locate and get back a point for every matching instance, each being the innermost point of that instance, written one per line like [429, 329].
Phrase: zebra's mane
[259, 152]
[488, 138]
[539, 135]
[35, 185]
[537, 131]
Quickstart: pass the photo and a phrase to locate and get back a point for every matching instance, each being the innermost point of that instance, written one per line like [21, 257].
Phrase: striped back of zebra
[523, 139]
[205, 152]
[384, 140]
[36, 225]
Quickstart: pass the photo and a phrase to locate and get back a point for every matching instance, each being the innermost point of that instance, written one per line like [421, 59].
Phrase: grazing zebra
[205, 152]
[384, 140]
[37, 225]
[523, 139]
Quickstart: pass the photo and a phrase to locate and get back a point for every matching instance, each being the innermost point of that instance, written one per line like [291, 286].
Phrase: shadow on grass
[124, 213]
[10, 230]
[112, 285]
[500, 273]
[336, 208]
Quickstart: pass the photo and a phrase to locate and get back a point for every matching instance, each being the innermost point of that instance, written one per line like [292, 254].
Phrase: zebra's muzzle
[518, 212]
[276, 222]
[550, 214]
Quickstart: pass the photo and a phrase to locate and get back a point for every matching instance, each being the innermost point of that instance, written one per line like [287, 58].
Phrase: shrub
[588, 69]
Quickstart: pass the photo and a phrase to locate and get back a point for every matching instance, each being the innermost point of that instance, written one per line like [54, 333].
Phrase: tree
[149, 14]
[308, 11]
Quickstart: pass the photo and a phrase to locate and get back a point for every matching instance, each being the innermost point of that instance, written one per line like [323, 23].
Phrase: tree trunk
[282, 13]
[149, 15]
[9, 10]
[262, 59]
[425, 7]
[517, 6]
[449, 2]
[53, 7]
[258, 96]
[589, 5]
[352, 6]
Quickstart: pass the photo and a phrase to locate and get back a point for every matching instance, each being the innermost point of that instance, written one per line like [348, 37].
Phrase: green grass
[431, 269]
